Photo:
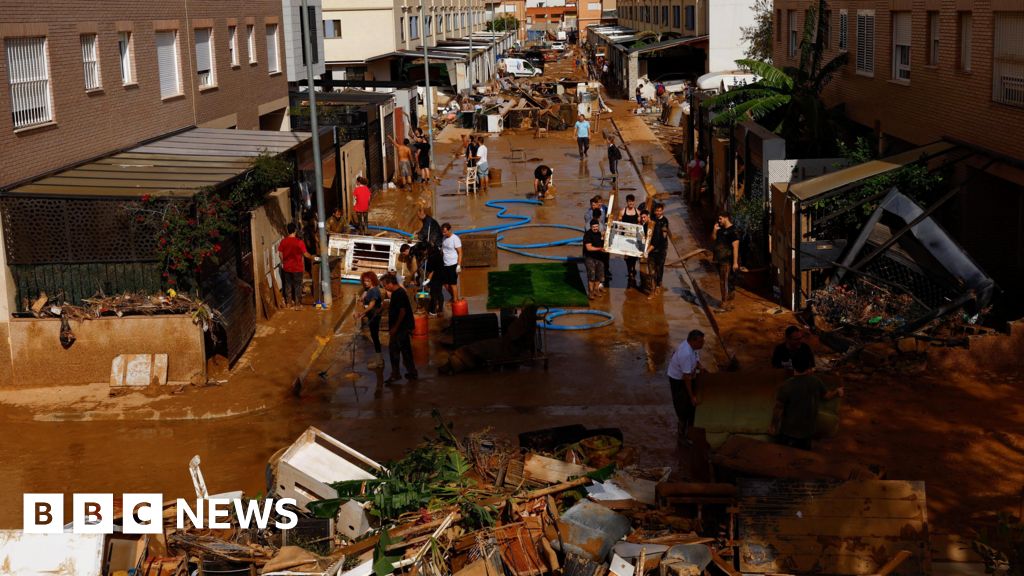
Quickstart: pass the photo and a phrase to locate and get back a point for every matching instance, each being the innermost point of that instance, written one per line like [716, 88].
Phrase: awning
[669, 44]
[176, 166]
[432, 54]
[810, 189]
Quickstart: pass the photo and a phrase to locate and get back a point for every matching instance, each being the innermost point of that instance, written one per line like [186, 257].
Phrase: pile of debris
[127, 304]
[566, 501]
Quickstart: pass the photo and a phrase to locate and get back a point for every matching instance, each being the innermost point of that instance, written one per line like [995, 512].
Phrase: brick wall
[91, 124]
[939, 100]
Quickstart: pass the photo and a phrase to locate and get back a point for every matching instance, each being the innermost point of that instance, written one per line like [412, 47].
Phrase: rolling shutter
[167, 61]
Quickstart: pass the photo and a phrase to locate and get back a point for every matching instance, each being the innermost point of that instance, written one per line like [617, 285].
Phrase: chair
[517, 153]
[468, 180]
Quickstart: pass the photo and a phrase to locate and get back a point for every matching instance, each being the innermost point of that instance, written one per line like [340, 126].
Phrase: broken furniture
[852, 527]
[358, 254]
[313, 462]
[589, 530]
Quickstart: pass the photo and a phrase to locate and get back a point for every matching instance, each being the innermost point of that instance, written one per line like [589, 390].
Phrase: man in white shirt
[682, 379]
[483, 169]
[451, 252]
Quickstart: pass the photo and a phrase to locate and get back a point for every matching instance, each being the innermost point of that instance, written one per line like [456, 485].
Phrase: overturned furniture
[358, 254]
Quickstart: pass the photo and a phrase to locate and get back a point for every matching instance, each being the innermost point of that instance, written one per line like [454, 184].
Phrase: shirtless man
[404, 161]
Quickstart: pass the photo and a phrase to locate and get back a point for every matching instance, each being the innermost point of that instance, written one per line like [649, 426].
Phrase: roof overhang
[174, 166]
[665, 44]
[815, 187]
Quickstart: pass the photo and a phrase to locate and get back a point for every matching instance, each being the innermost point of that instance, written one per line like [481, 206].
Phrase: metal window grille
[273, 64]
[27, 70]
[901, 29]
[204, 57]
[89, 62]
[124, 49]
[250, 32]
[1008, 59]
[167, 62]
[866, 41]
[844, 24]
[233, 44]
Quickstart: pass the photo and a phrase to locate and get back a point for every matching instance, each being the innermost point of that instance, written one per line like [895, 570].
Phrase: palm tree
[788, 100]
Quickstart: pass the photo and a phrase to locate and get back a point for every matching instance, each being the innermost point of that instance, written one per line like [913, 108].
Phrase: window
[866, 42]
[901, 28]
[273, 62]
[250, 33]
[233, 44]
[310, 21]
[124, 50]
[428, 24]
[827, 28]
[778, 25]
[204, 57]
[664, 15]
[448, 22]
[89, 62]
[691, 17]
[29, 75]
[167, 62]
[844, 26]
[1008, 58]
[414, 27]
[677, 21]
[794, 35]
[965, 40]
[332, 28]
[440, 22]
[933, 38]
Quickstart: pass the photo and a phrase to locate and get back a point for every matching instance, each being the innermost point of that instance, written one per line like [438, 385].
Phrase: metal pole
[429, 102]
[469, 72]
[321, 212]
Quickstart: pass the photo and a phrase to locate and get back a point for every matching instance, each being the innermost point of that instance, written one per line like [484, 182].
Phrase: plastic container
[422, 326]
[495, 176]
[460, 308]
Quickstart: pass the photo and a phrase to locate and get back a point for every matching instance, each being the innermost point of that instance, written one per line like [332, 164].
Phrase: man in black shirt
[593, 258]
[727, 254]
[400, 327]
[541, 180]
[430, 230]
[797, 403]
[614, 155]
[422, 146]
[785, 354]
[657, 249]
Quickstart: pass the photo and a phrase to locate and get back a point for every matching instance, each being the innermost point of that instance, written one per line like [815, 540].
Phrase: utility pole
[469, 71]
[426, 75]
[321, 212]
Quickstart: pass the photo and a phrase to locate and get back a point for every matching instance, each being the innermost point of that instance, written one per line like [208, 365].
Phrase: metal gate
[374, 157]
[232, 297]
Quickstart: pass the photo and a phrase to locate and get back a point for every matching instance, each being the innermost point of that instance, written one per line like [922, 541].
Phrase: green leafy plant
[759, 36]
[192, 232]
[503, 24]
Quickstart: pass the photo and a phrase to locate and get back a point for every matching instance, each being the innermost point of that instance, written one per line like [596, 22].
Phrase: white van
[521, 68]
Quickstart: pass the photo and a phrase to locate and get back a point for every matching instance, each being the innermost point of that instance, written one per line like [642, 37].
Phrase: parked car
[558, 45]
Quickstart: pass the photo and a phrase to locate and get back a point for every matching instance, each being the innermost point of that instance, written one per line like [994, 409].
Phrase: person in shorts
[542, 181]
[451, 250]
[594, 259]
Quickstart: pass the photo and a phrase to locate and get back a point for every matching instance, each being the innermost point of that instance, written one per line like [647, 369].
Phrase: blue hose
[553, 313]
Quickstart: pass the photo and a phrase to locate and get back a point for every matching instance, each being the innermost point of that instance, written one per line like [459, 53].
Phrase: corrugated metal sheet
[177, 165]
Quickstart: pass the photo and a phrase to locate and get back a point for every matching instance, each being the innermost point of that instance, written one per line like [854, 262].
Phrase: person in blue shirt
[583, 135]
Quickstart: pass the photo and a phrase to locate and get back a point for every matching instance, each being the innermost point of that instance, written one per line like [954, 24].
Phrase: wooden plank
[543, 469]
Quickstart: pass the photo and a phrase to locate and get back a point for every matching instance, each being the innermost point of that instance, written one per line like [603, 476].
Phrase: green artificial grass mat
[548, 284]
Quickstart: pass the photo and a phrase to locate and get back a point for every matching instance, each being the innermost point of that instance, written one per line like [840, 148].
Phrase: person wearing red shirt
[292, 251]
[362, 204]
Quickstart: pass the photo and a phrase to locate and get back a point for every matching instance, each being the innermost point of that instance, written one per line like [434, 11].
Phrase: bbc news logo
[143, 513]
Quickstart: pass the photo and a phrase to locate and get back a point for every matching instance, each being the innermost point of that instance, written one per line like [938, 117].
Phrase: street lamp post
[469, 72]
[321, 212]
[426, 73]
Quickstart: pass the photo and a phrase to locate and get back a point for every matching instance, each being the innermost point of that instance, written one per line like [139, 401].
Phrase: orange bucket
[422, 326]
[460, 308]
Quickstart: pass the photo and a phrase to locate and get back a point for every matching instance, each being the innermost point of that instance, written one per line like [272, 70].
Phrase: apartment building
[364, 39]
[931, 70]
[85, 79]
[590, 13]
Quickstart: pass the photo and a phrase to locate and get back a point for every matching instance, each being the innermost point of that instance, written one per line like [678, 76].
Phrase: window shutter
[1008, 59]
[866, 42]
[167, 62]
[273, 65]
[124, 49]
[901, 28]
[312, 33]
[203, 50]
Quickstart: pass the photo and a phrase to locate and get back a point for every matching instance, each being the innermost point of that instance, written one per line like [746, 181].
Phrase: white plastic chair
[468, 181]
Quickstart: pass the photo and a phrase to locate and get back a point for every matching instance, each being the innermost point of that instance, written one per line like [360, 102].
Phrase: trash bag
[67, 337]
